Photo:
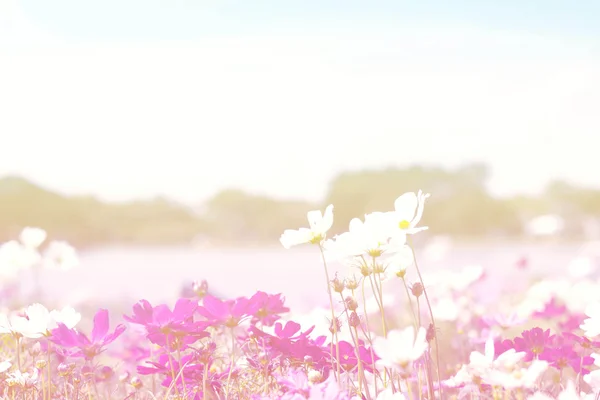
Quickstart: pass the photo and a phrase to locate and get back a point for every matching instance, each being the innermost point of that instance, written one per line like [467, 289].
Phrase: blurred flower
[581, 267]
[32, 238]
[23, 379]
[388, 394]
[67, 316]
[533, 342]
[400, 348]
[408, 210]
[60, 255]
[87, 348]
[591, 326]
[319, 225]
[166, 327]
[14, 257]
[4, 366]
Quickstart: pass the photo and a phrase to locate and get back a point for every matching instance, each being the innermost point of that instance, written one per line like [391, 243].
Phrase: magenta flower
[581, 344]
[533, 342]
[189, 372]
[348, 359]
[175, 329]
[227, 313]
[572, 322]
[501, 346]
[88, 349]
[293, 345]
[552, 309]
[564, 356]
[267, 308]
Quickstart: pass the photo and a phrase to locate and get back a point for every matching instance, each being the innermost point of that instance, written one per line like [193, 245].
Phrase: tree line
[460, 206]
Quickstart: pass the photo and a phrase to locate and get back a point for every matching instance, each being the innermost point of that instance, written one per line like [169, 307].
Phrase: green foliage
[460, 205]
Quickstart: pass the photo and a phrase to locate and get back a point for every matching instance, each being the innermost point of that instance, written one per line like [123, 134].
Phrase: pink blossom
[70, 338]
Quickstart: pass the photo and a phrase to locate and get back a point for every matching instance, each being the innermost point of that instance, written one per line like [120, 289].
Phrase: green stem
[333, 318]
[230, 364]
[437, 345]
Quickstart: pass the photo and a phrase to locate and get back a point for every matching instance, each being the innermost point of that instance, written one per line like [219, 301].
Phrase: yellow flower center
[404, 224]
[316, 239]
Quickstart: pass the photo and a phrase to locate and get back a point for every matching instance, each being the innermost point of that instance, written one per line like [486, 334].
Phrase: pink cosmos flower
[503, 321]
[552, 309]
[572, 322]
[564, 356]
[501, 346]
[175, 329]
[533, 342]
[581, 344]
[293, 345]
[348, 359]
[191, 376]
[267, 308]
[227, 313]
[88, 349]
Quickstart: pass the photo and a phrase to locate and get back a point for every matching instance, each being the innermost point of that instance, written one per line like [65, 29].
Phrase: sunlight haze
[282, 105]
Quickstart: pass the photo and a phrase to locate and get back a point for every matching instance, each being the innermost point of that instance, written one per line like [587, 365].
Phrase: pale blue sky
[129, 99]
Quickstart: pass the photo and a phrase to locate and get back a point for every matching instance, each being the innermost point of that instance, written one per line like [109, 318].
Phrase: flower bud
[351, 284]
[124, 377]
[64, 369]
[136, 382]
[35, 350]
[315, 376]
[105, 372]
[86, 371]
[417, 289]
[354, 320]
[430, 335]
[335, 328]
[350, 303]
[365, 270]
[378, 269]
[401, 273]
[41, 364]
[338, 285]
[200, 289]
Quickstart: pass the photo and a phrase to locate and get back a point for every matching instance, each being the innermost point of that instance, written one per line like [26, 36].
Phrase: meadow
[390, 328]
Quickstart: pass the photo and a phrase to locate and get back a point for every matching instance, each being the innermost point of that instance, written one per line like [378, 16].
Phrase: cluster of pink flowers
[442, 342]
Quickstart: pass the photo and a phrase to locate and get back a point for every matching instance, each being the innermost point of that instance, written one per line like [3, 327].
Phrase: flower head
[86, 347]
[591, 326]
[400, 348]
[408, 212]
[319, 224]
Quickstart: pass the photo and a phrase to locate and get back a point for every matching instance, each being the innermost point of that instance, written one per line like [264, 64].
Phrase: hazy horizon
[133, 100]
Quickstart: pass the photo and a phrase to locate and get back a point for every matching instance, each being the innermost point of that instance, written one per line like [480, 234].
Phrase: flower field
[392, 330]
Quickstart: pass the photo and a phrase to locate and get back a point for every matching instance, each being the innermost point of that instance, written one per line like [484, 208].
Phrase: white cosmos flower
[401, 348]
[591, 326]
[513, 378]
[11, 323]
[593, 379]
[38, 321]
[482, 364]
[67, 316]
[23, 379]
[60, 255]
[4, 366]
[14, 257]
[408, 212]
[399, 261]
[32, 238]
[370, 238]
[319, 224]
[388, 394]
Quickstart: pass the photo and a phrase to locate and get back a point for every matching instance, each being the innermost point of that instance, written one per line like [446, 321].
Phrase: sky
[128, 99]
